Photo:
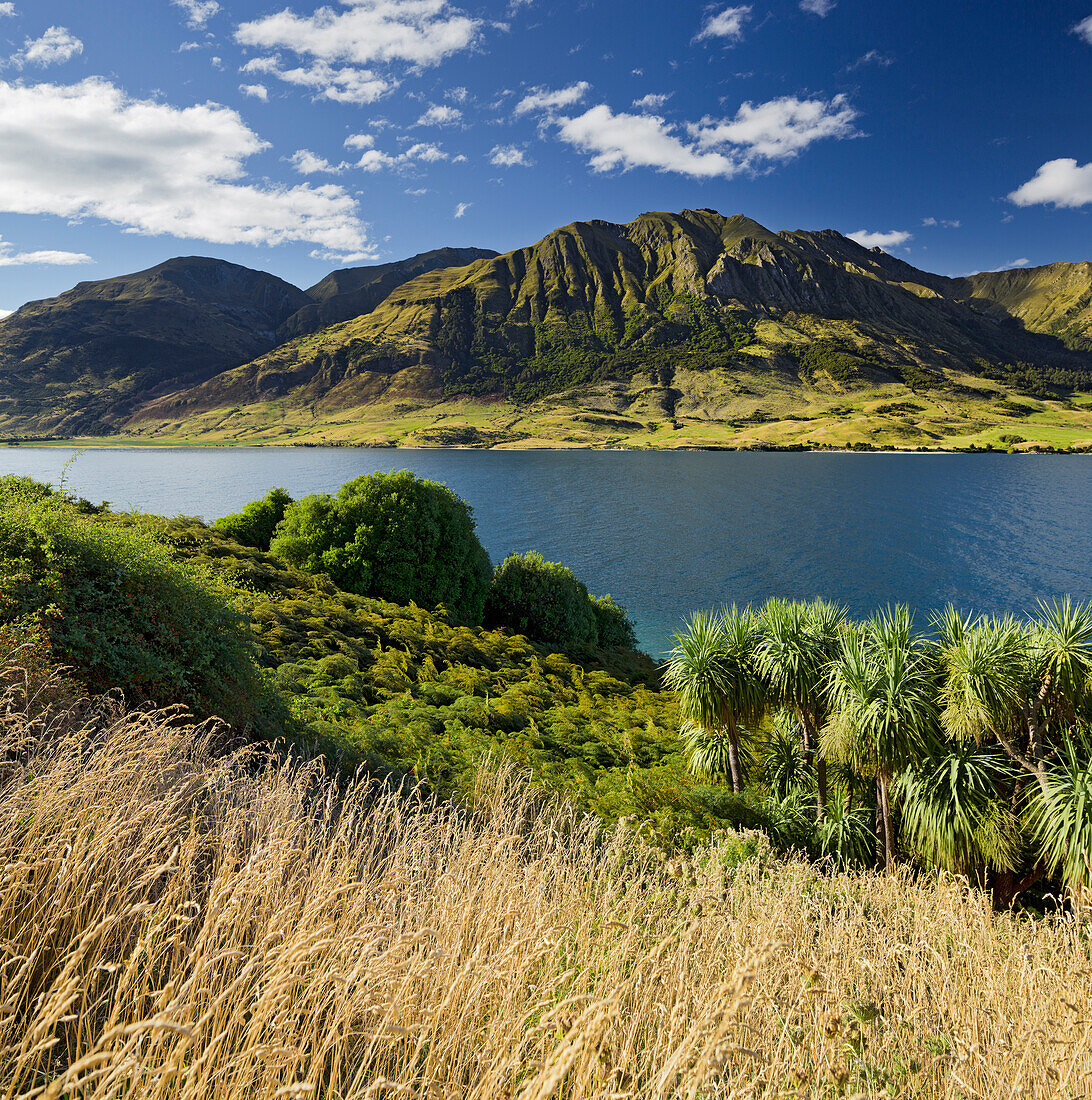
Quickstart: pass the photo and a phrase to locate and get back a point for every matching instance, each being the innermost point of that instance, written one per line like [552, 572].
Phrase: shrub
[614, 629]
[255, 524]
[391, 536]
[110, 600]
[543, 600]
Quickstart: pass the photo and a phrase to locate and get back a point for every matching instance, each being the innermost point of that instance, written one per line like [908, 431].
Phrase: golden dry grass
[179, 924]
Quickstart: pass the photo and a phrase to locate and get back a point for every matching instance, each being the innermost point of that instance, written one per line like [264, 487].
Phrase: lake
[666, 533]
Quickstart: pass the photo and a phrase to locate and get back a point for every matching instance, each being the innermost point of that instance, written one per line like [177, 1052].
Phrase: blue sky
[300, 138]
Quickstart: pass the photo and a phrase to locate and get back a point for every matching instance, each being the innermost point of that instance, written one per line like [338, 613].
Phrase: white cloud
[779, 128]
[891, 239]
[873, 57]
[509, 156]
[1022, 262]
[6, 312]
[375, 160]
[1084, 29]
[441, 115]
[187, 46]
[343, 84]
[1058, 182]
[725, 24]
[542, 100]
[822, 8]
[462, 208]
[653, 101]
[942, 223]
[7, 9]
[197, 12]
[457, 95]
[57, 45]
[89, 150]
[255, 91]
[308, 164]
[418, 32]
[10, 258]
[773, 131]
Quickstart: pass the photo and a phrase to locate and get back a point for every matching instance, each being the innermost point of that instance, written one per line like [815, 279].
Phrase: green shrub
[612, 624]
[115, 605]
[542, 600]
[394, 537]
[255, 524]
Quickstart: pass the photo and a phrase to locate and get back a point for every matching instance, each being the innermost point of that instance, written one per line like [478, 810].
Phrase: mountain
[358, 290]
[686, 328]
[83, 361]
[648, 300]
[1055, 299]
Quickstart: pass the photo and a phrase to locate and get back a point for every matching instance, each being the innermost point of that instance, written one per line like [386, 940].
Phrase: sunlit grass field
[181, 923]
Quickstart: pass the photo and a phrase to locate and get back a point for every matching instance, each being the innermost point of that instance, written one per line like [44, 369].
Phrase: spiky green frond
[1061, 813]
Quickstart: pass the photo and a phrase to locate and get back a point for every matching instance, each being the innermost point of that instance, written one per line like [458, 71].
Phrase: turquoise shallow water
[666, 533]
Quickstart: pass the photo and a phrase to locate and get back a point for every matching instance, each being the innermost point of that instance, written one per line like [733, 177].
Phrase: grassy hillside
[675, 329]
[83, 361]
[207, 928]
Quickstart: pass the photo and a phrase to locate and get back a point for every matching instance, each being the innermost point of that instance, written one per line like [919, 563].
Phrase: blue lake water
[667, 533]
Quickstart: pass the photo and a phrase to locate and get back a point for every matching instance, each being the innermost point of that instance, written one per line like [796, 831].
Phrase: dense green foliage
[393, 536]
[546, 602]
[255, 524]
[117, 606]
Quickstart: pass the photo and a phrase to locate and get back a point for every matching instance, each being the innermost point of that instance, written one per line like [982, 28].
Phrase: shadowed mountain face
[661, 306]
[358, 290]
[86, 359]
[597, 301]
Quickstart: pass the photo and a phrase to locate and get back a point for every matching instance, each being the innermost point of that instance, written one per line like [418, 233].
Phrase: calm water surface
[666, 533]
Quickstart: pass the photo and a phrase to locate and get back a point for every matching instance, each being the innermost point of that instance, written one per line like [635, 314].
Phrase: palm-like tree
[883, 695]
[720, 694]
[795, 647]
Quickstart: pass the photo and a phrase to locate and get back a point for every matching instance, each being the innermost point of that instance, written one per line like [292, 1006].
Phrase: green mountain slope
[354, 291]
[1055, 299]
[646, 303]
[84, 360]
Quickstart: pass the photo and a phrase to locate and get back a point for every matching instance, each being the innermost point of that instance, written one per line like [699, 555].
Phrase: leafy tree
[255, 524]
[614, 629]
[795, 646]
[542, 600]
[883, 688]
[392, 536]
[712, 671]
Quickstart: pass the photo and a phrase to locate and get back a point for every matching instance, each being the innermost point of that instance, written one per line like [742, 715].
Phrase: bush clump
[255, 524]
[393, 537]
[110, 600]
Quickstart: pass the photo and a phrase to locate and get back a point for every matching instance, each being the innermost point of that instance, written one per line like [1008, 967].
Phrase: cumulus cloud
[417, 32]
[1061, 182]
[756, 136]
[509, 156]
[1084, 29]
[545, 101]
[7, 9]
[462, 208]
[197, 12]
[822, 8]
[10, 258]
[375, 160]
[308, 164]
[342, 84]
[891, 239]
[457, 95]
[440, 115]
[57, 45]
[653, 101]
[255, 91]
[6, 312]
[89, 150]
[726, 24]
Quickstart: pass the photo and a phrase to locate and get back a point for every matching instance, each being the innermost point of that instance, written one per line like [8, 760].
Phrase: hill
[82, 361]
[670, 330]
[354, 291]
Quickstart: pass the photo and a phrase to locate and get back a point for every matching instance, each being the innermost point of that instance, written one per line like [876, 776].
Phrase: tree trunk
[888, 834]
[733, 761]
[879, 825]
